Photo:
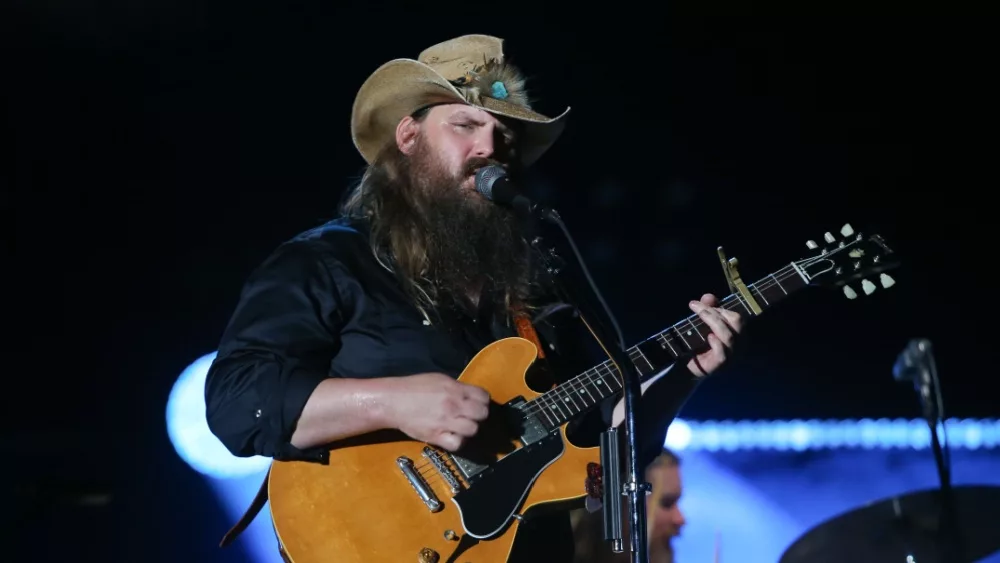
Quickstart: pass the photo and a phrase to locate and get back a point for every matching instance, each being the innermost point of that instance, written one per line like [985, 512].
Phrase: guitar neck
[656, 353]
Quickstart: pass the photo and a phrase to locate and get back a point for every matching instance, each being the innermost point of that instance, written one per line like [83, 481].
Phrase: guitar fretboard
[656, 353]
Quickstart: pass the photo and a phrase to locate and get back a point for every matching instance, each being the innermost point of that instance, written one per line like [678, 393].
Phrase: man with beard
[366, 322]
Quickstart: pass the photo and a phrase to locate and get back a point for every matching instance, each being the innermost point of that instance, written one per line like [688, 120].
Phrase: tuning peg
[811, 245]
[887, 280]
[868, 286]
[828, 237]
[849, 292]
[847, 230]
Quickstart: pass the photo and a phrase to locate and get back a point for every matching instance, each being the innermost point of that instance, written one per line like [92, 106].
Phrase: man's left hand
[724, 324]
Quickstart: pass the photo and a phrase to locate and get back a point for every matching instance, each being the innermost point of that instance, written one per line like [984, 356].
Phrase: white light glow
[189, 432]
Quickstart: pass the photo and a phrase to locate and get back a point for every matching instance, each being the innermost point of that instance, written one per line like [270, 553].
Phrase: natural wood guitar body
[362, 508]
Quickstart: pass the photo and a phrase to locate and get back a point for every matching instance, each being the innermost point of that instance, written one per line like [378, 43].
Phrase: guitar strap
[255, 505]
[524, 330]
[527, 331]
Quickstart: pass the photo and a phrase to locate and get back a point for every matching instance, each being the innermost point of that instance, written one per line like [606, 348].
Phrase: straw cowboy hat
[466, 70]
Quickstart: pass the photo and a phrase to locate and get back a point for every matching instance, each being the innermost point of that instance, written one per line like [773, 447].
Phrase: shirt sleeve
[275, 350]
[661, 403]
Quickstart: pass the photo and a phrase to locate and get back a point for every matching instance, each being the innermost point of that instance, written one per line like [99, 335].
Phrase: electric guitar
[385, 497]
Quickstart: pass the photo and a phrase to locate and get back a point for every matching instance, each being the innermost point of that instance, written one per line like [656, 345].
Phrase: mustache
[475, 163]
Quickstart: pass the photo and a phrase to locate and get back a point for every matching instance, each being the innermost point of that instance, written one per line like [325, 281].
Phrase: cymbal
[905, 529]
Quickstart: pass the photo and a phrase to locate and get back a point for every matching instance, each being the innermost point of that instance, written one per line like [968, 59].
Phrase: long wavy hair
[395, 212]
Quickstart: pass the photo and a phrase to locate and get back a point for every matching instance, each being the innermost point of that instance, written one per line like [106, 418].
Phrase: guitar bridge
[425, 493]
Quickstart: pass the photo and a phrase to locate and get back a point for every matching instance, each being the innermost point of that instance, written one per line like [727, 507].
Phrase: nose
[485, 143]
[679, 519]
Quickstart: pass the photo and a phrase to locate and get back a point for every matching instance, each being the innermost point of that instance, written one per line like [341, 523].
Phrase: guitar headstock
[851, 257]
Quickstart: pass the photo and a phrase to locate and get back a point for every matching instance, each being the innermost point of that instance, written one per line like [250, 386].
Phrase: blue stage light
[189, 433]
[800, 435]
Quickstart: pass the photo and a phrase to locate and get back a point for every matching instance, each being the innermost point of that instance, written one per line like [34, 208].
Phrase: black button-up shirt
[322, 306]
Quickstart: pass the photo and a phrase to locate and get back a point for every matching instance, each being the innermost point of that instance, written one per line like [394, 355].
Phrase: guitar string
[550, 407]
[549, 403]
[546, 403]
[595, 374]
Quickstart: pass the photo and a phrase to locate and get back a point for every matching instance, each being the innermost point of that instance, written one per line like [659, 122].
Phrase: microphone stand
[634, 488]
[929, 387]
[925, 381]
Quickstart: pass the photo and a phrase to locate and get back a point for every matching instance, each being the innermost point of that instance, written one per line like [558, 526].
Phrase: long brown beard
[472, 243]
[448, 244]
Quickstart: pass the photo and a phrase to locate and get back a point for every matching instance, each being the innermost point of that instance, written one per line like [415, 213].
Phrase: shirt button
[257, 414]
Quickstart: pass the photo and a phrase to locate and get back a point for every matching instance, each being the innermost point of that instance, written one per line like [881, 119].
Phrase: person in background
[664, 518]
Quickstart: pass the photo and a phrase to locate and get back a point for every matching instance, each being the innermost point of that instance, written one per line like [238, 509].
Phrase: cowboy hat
[467, 70]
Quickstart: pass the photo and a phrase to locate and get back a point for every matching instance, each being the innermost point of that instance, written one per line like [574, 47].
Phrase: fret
[644, 358]
[607, 380]
[696, 330]
[740, 305]
[675, 347]
[599, 383]
[552, 418]
[656, 353]
[583, 389]
[777, 282]
[769, 293]
[568, 398]
[684, 341]
[550, 421]
[693, 328]
[557, 409]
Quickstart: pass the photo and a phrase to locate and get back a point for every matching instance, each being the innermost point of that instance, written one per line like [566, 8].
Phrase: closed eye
[668, 501]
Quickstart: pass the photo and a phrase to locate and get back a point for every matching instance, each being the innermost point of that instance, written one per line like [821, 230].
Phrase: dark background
[160, 150]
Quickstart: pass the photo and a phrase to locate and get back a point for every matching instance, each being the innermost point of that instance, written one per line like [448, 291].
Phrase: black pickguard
[499, 490]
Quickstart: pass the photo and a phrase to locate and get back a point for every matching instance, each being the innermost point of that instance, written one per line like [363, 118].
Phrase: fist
[436, 409]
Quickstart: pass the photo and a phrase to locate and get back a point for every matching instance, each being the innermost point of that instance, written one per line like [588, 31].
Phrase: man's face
[471, 243]
[664, 518]
[457, 140]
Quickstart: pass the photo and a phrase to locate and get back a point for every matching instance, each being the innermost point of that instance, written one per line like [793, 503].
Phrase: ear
[406, 134]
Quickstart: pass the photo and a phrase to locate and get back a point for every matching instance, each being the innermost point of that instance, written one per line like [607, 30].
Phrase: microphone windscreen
[486, 179]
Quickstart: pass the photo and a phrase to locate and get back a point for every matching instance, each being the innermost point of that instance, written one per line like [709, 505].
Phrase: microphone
[910, 364]
[915, 365]
[494, 184]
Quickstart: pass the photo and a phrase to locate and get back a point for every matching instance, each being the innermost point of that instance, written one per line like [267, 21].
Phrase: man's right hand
[437, 409]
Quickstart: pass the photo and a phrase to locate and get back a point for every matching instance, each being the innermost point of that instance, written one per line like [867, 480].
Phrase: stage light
[678, 435]
[189, 433]
[800, 435]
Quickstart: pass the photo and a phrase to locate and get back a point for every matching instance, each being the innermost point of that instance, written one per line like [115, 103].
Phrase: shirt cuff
[287, 403]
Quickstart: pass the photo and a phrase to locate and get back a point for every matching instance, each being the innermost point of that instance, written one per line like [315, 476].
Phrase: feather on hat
[469, 69]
